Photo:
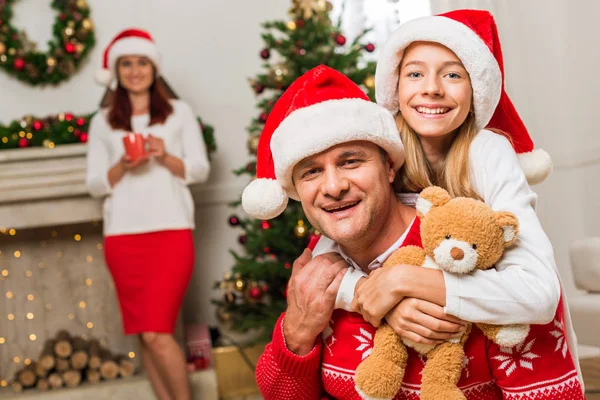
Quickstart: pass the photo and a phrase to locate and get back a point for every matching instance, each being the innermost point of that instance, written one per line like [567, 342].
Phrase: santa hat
[321, 109]
[129, 42]
[472, 35]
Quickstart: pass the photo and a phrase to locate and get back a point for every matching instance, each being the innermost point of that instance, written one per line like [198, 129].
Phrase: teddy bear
[458, 235]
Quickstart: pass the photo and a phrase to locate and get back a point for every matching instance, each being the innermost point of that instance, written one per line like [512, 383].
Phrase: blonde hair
[417, 173]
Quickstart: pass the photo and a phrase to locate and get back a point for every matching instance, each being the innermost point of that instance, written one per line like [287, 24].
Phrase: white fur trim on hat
[313, 129]
[480, 63]
[264, 199]
[103, 77]
[536, 164]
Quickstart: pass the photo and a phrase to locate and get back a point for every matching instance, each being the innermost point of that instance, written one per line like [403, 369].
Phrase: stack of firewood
[69, 361]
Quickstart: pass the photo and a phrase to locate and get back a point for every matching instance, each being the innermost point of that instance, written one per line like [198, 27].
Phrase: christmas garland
[64, 128]
[73, 37]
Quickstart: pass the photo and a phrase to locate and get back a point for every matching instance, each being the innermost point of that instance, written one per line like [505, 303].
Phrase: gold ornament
[307, 8]
[68, 32]
[300, 230]
[2, 48]
[82, 34]
[82, 4]
[240, 285]
[3, 58]
[66, 67]
[370, 82]
[46, 143]
[12, 51]
[291, 25]
[224, 316]
[253, 143]
[87, 24]
[278, 74]
[79, 47]
[51, 61]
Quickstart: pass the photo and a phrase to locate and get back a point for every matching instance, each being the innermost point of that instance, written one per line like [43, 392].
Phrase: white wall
[209, 50]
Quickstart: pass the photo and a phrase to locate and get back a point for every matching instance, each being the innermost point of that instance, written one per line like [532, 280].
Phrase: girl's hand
[130, 164]
[156, 148]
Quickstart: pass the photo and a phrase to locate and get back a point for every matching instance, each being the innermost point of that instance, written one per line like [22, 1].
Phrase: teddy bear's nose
[457, 253]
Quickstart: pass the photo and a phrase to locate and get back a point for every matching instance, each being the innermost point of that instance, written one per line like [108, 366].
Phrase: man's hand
[424, 322]
[312, 290]
[376, 296]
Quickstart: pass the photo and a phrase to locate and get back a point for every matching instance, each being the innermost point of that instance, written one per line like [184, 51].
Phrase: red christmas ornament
[19, 64]
[340, 39]
[301, 52]
[288, 265]
[265, 54]
[264, 288]
[255, 293]
[83, 138]
[299, 23]
[68, 117]
[265, 225]
[70, 48]
[370, 47]
[23, 142]
[37, 125]
[63, 16]
[267, 250]
[242, 239]
[258, 89]
[234, 220]
[80, 121]
[263, 117]
[77, 133]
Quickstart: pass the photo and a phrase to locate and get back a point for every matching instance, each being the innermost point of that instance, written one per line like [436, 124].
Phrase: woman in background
[148, 208]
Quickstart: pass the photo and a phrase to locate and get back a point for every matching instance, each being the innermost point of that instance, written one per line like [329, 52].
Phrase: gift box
[199, 347]
[234, 376]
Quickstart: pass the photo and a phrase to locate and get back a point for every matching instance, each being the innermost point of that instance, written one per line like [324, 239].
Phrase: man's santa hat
[321, 109]
[128, 42]
[472, 35]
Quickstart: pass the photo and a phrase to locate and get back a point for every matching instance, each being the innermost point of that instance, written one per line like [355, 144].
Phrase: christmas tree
[254, 293]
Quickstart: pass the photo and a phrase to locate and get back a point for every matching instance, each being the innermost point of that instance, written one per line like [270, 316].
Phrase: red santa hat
[321, 109]
[131, 41]
[472, 35]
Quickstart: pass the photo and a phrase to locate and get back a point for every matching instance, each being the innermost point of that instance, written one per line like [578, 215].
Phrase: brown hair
[417, 173]
[119, 114]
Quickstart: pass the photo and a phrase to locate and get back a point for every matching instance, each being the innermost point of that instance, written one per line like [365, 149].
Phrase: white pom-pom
[264, 199]
[537, 165]
[103, 77]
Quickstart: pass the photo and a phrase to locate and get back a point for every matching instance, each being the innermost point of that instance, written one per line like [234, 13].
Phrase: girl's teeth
[425, 110]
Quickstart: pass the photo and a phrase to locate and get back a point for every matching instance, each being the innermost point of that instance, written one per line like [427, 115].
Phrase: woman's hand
[130, 165]
[156, 148]
[376, 296]
[424, 322]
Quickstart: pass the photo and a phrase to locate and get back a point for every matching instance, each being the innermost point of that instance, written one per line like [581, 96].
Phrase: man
[328, 146]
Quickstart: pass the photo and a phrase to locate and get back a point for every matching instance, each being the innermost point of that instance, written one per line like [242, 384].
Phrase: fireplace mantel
[45, 187]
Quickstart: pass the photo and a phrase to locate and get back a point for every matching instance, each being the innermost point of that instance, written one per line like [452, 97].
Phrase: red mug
[135, 146]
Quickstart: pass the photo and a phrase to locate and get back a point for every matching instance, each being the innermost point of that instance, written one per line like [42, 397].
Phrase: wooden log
[27, 376]
[126, 367]
[62, 364]
[94, 354]
[42, 385]
[79, 358]
[55, 380]
[109, 369]
[47, 359]
[16, 386]
[72, 378]
[93, 376]
[63, 347]
[40, 370]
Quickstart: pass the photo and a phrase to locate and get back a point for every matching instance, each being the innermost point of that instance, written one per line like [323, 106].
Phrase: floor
[590, 367]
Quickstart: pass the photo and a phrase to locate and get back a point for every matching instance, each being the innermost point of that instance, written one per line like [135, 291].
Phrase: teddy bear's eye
[448, 236]
[474, 246]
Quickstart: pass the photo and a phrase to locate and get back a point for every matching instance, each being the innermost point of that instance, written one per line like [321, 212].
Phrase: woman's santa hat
[472, 35]
[321, 109]
[128, 42]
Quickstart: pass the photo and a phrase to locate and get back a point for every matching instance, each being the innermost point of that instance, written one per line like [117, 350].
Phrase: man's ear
[430, 197]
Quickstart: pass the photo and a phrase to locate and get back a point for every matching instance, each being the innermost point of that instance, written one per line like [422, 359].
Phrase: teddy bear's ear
[430, 197]
[510, 226]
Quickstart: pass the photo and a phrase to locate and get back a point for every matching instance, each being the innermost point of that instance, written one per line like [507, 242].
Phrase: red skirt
[151, 272]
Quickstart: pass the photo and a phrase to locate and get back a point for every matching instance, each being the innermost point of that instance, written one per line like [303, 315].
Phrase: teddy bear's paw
[377, 378]
[441, 392]
[512, 335]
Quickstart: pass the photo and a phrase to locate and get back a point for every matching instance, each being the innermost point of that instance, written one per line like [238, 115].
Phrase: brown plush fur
[458, 235]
